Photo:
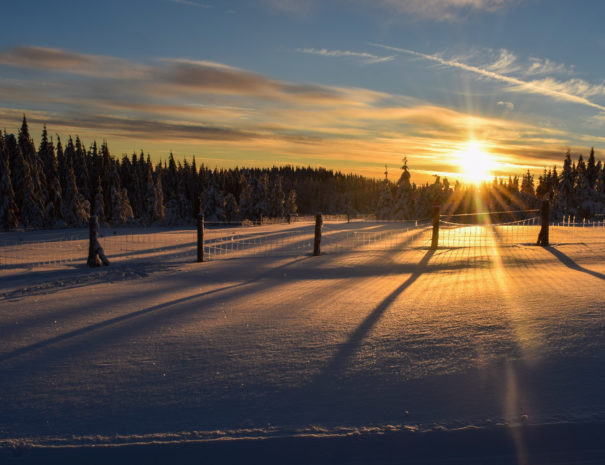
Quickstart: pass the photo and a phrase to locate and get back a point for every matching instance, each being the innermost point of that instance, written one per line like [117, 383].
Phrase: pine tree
[384, 206]
[291, 208]
[258, 193]
[404, 195]
[32, 211]
[276, 199]
[592, 171]
[121, 209]
[245, 198]
[230, 207]
[8, 207]
[81, 170]
[567, 186]
[527, 186]
[76, 209]
[46, 153]
[98, 206]
[154, 202]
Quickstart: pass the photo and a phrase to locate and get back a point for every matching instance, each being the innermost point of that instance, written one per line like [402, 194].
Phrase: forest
[56, 185]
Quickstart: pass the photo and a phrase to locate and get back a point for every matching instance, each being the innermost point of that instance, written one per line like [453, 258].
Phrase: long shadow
[339, 360]
[113, 321]
[568, 262]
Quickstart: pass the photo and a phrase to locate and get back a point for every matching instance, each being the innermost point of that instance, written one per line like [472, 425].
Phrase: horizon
[346, 86]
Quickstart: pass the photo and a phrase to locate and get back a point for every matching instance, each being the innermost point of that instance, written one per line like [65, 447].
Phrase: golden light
[475, 162]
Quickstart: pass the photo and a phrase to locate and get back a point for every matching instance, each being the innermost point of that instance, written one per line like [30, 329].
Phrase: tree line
[578, 191]
[57, 185]
[53, 185]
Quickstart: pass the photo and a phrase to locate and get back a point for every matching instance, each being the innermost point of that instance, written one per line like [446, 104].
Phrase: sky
[350, 85]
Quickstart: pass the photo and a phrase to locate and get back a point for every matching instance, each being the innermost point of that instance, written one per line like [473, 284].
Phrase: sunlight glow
[475, 162]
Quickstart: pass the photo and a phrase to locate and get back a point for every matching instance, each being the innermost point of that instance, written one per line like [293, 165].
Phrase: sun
[475, 162]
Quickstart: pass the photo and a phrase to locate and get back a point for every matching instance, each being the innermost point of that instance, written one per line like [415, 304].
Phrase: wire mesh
[339, 234]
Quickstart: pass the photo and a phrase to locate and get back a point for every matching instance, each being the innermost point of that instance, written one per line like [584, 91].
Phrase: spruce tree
[46, 153]
[404, 195]
[8, 207]
[245, 198]
[290, 207]
[76, 209]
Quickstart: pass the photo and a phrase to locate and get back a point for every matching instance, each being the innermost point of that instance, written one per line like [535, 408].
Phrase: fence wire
[48, 248]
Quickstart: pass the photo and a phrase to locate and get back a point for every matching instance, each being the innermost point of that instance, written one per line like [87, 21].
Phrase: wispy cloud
[53, 59]
[510, 106]
[366, 58]
[192, 3]
[438, 10]
[546, 66]
[223, 111]
[505, 64]
[573, 91]
[443, 10]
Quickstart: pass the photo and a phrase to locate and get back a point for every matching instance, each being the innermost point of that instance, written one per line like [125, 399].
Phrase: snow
[375, 339]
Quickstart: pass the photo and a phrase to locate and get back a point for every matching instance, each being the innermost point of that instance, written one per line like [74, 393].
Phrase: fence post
[94, 248]
[200, 238]
[316, 244]
[543, 235]
[435, 240]
[92, 238]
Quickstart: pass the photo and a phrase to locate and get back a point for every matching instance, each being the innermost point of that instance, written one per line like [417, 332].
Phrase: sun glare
[475, 162]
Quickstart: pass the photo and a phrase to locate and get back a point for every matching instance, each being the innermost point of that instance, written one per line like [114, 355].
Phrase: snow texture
[164, 350]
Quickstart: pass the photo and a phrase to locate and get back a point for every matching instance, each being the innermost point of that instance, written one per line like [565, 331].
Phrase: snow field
[378, 340]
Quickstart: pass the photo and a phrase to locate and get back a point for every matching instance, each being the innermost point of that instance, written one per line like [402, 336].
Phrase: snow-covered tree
[76, 209]
[276, 199]
[404, 195]
[121, 209]
[8, 207]
[245, 198]
[384, 207]
[290, 207]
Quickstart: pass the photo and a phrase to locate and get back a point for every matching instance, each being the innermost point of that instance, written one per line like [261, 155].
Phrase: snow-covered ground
[377, 337]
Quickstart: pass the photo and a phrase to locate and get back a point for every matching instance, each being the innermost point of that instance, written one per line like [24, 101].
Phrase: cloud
[225, 112]
[53, 59]
[207, 76]
[192, 3]
[573, 91]
[439, 10]
[575, 88]
[510, 106]
[367, 58]
[545, 66]
[443, 10]
[505, 63]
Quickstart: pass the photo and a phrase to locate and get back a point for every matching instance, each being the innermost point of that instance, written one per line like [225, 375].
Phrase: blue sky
[349, 85]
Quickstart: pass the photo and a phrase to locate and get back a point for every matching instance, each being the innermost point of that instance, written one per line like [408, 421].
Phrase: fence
[338, 234]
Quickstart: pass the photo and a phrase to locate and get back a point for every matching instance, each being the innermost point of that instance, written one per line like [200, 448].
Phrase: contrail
[524, 85]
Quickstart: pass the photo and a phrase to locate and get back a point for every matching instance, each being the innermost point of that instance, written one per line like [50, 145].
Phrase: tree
[276, 199]
[46, 153]
[404, 195]
[76, 209]
[527, 185]
[290, 207]
[245, 198]
[8, 207]
[384, 208]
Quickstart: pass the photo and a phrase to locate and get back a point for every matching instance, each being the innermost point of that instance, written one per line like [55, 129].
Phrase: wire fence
[225, 241]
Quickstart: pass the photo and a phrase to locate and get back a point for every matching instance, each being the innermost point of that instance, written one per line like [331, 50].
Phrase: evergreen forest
[60, 184]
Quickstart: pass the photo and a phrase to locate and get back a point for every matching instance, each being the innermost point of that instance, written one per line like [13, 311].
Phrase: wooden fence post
[95, 250]
[200, 238]
[545, 214]
[435, 239]
[316, 244]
